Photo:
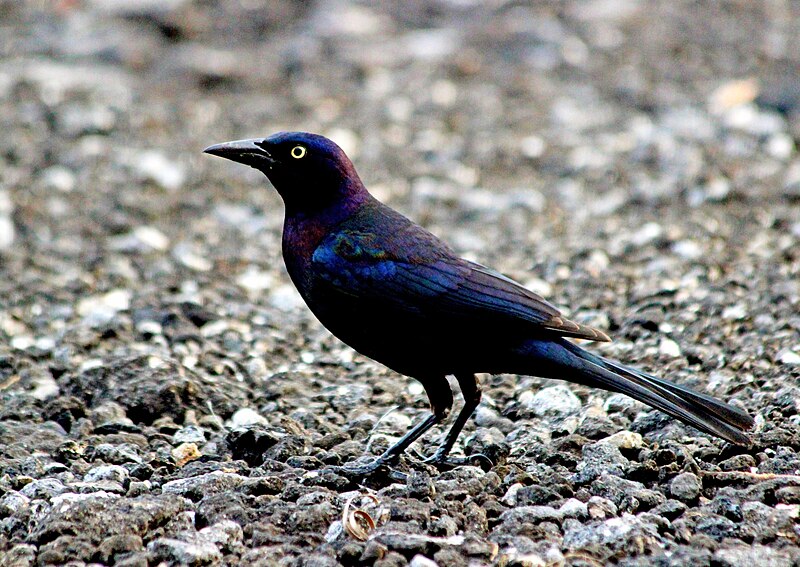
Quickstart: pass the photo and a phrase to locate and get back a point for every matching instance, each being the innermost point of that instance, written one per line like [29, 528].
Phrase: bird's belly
[411, 343]
[406, 342]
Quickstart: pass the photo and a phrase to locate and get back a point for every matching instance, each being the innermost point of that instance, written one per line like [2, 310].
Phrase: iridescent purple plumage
[396, 293]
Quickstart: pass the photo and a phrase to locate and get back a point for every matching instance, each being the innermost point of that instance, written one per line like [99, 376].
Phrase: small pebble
[789, 357]
[246, 416]
[685, 487]
[553, 400]
[670, 348]
[166, 172]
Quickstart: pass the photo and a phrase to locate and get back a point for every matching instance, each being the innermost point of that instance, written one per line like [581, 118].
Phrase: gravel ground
[165, 397]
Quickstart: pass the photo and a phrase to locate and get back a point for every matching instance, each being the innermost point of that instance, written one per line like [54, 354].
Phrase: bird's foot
[442, 461]
[365, 469]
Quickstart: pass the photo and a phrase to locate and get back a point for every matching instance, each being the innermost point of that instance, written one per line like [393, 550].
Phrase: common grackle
[396, 293]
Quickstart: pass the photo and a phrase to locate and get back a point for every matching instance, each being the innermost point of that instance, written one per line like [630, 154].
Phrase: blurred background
[634, 161]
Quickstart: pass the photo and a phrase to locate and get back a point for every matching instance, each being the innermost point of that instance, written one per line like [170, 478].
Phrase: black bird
[396, 293]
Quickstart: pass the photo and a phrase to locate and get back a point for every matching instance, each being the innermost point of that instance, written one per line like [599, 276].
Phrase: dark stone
[419, 485]
[251, 443]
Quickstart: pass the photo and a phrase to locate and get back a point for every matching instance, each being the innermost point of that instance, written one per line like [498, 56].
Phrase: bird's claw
[446, 462]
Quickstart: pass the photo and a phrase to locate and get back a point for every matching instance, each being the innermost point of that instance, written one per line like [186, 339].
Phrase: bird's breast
[300, 239]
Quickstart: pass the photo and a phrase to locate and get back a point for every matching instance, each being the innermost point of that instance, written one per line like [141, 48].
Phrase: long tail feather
[698, 410]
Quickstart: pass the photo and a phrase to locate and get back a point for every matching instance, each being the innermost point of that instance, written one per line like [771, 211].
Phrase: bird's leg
[441, 399]
[471, 390]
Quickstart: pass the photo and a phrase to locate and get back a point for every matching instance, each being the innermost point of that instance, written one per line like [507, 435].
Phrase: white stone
[247, 416]
[100, 309]
[254, 280]
[60, 178]
[669, 347]
[554, 400]
[532, 146]
[624, 440]
[735, 312]
[163, 171]
[286, 298]
[788, 356]
[422, 561]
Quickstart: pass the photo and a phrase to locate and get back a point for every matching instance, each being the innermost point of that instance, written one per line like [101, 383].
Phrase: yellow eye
[298, 152]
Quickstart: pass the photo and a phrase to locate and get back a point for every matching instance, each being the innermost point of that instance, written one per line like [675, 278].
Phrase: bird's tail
[698, 410]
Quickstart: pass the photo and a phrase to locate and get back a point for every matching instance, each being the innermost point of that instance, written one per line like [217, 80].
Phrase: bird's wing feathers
[496, 284]
[354, 263]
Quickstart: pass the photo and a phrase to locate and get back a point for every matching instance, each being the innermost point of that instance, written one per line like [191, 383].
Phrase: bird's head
[308, 170]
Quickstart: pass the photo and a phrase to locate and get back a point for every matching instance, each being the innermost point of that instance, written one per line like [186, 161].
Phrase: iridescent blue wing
[434, 283]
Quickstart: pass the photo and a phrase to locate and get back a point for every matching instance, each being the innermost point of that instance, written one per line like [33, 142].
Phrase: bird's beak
[248, 152]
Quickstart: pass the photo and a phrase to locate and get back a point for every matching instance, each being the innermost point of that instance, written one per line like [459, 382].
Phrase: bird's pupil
[298, 152]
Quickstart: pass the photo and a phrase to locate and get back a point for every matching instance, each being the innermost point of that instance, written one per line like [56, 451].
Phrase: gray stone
[12, 502]
[199, 486]
[189, 434]
[686, 487]
[226, 534]
[193, 549]
[627, 533]
[21, 555]
[45, 488]
[755, 555]
[598, 459]
[101, 515]
[99, 310]
[115, 473]
[118, 454]
[574, 508]
[627, 495]
[106, 486]
[531, 514]
[601, 508]
[765, 523]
